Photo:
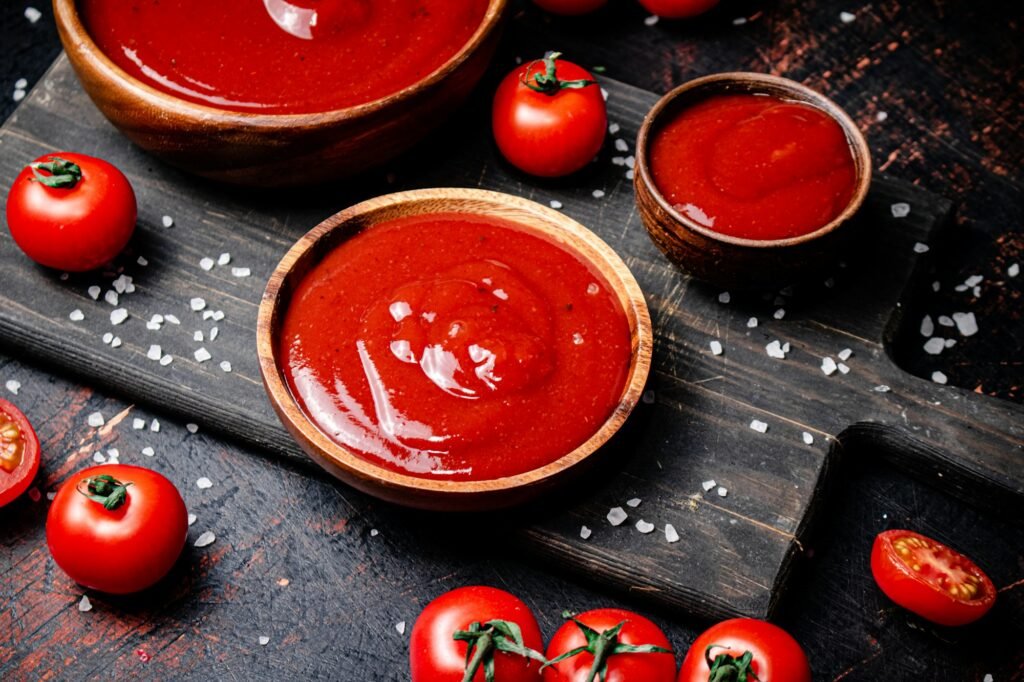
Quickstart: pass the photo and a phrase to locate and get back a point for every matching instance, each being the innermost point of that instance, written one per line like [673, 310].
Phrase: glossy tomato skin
[549, 135]
[777, 656]
[678, 9]
[124, 550]
[434, 656]
[570, 8]
[76, 228]
[649, 667]
[914, 591]
[24, 447]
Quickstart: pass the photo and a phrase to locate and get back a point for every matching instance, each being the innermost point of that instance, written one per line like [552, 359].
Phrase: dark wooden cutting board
[735, 551]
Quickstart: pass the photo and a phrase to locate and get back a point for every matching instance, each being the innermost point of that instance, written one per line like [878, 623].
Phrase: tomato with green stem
[745, 650]
[549, 117]
[19, 452]
[611, 645]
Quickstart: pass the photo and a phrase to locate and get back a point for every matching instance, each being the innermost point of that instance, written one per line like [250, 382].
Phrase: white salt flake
[644, 527]
[555, 204]
[920, 247]
[197, 304]
[630, 174]
[94, 292]
[225, 366]
[191, 519]
[988, 678]
[224, 259]
[203, 483]
[206, 264]
[960, 288]
[651, 20]
[927, 326]
[847, 17]
[828, 366]
[167, 221]
[966, 323]
[118, 315]
[605, 94]
[671, 535]
[207, 314]
[154, 426]
[107, 338]
[173, 319]
[192, 428]
[206, 539]
[197, 336]
[76, 315]
[973, 280]
[84, 604]
[950, 343]
[597, 193]
[845, 354]
[616, 515]
[142, 261]
[618, 160]
[585, 533]
[121, 283]
[808, 438]
[99, 457]
[752, 322]
[400, 627]
[154, 352]
[374, 532]
[240, 272]
[614, 128]
[202, 355]
[263, 640]
[739, 21]
[95, 420]
[881, 116]
[934, 345]
[774, 350]
[18, 95]
[881, 388]
[946, 321]
[779, 314]
[708, 485]
[217, 315]
[724, 297]
[115, 342]
[166, 360]
[213, 334]
[633, 502]
[1013, 270]
[33, 15]
[621, 145]
[759, 426]
[148, 451]
[938, 377]
[716, 348]
[722, 491]
[900, 210]
[843, 368]
[13, 385]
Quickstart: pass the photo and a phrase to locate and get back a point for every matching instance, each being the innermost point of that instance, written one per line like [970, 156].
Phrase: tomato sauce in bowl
[455, 346]
[281, 56]
[754, 166]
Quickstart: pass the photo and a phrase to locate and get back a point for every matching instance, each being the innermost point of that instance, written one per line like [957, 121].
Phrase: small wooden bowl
[734, 262]
[430, 493]
[274, 150]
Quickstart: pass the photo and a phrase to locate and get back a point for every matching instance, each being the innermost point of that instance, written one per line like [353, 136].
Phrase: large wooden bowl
[734, 262]
[429, 493]
[274, 150]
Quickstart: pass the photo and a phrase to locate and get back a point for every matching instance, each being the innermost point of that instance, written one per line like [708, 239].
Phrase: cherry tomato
[117, 528]
[749, 647]
[475, 617]
[71, 211]
[629, 648]
[19, 453]
[570, 8]
[549, 117]
[930, 579]
[678, 9]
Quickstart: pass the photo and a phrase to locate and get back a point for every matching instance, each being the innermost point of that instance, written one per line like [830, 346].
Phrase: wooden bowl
[735, 262]
[431, 493]
[266, 150]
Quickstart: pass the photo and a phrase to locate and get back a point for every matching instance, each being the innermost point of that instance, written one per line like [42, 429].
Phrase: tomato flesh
[930, 579]
[19, 453]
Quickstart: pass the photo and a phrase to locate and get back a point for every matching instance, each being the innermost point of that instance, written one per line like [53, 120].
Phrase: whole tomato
[611, 645]
[930, 579]
[497, 630]
[745, 650]
[117, 528]
[570, 8]
[71, 211]
[678, 9]
[549, 117]
[19, 453]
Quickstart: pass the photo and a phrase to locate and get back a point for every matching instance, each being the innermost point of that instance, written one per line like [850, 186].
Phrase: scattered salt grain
[173, 319]
[724, 297]
[881, 388]
[118, 315]
[779, 314]
[847, 17]
[987, 678]
[774, 350]
[960, 287]
[166, 360]
[555, 204]
[973, 280]
[759, 426]
[598, 193]
[644, 527]
[881, 116]
[142, 261]
[13, 385]
[191, 519]
[752, 322]
[920, 247]
[225, 366]
[192, 428]
[966, 323]
[927, 326]
[264, 640]
[1013, 270]
[633, 502]
[739, 21]
[84, 605]
[900, 210]
[240, 272]
[94, 292]
[113, 454]
[616, 515]
[224, 259]
[938, 377]
[197, 335]
[614, 128]
[115, 342]
[18, 95]
[621, 145]
[99, 457]
[808, 438]
[148, 451]
[400, 627]
[716, 348]
[605, 94]
[204, 483]
[95, 420]
[671, 534]
[206, 264]
[630, 174]
[33, 15]
[202, 355]
[843, 368]
[950, 343]
[585, 532]
[374, 532]
[845, 354]
[110, 297]
[708, 485]
[197, 304]
[651, 20]
[934, 345]
[722, 491]
[217, 315]
[108, 337]
[946, 321]
[76, 315]
[167, 221]
[207, 538]
[154, 352]
[828, 366]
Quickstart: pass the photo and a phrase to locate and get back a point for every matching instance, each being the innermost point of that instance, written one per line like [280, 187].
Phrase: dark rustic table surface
[329, 576]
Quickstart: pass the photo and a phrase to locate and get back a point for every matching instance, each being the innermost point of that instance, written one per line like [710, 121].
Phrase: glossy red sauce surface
[753, 166]
[455, 346]
[281, 56]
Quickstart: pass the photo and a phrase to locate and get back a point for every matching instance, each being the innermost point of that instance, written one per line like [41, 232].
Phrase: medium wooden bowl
[274, 150]
[734, 262]
[429, 493]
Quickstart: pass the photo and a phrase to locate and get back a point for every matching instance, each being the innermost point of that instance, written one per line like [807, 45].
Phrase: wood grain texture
[735, 551]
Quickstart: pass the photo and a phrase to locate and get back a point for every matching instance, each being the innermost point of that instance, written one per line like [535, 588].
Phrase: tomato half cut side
[930, 579]
[19, 453]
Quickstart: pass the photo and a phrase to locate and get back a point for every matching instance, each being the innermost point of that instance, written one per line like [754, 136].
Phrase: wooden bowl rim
[549, 223]
[67, 18]
[719, 82]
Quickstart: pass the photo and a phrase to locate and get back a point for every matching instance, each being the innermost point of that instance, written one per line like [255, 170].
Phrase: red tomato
[633, 649]
[930, 579]
[750, 648]
[19, 453]
[570, 8]
[71, 211]
[479, 616]
[549, 117]
[678, 9]
[117, 528]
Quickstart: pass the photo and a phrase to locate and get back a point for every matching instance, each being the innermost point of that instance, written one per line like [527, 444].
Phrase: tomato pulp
[455, 346]
[281, 56]
[754, 166]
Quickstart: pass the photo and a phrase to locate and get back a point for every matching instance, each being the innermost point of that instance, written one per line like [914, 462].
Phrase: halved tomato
[19, 453]
[930, 579]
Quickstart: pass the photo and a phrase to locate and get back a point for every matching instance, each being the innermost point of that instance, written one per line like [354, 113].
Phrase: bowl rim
[719, 82]
[361, 216]
[69, 21]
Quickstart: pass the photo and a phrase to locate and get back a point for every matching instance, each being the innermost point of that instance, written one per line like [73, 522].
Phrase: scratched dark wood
[348, 588]
[695, 428]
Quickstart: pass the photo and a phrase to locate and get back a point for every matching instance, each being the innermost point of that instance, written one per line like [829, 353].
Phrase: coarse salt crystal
[148, 451]
[847, 17]
[240, 272]
[94, 292]
[115, 342]
[973, 280]
[400, 627]
[938, 377]
[206, 264]
[108, 337]
[225, 366]
[630, 174]
[197, 304]
[585, 532]
[192, 428]
[739, 21]
[881, 388]
[374, 532]
[154, 426]
[84, 604]
[1013, 270]
[934, 345]
[173, 319]
[920, 247]
[605, 94]
[598, 193]
[99, 457]
[207, 538]
[166, 360]
[633, 502]
[33, 15]
[203, 483]
[197, 335]
[95, 420]
[671, 535]
[138, 424]
[154, 352]
[651, 20]
[845, 354]
[752, 322]
[774, 350]
[76, 315]
[843, 368]
[808, 438]
[264, 640]
[224, 259]
[621, 145]
[966, 323]
[142, 261]
[900, 210]
[121, 283]
[724, 297]
[759, 426]
[927, 326]
[555, 203]
[779, 314]
[13, 385]
[950, 343]
[960, 288]
[118, 315]
[614, 128]
[192, 519]
[708, 485]
[167, 221]
[716, 348]
[722, 491]
[217, 315]
[202, 355]
[828, 366]
[988, 678]
[881, 116]
[644, 526]
[946, 321]
[616, 515]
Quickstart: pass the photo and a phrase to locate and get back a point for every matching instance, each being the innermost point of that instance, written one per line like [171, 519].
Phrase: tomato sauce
[281, 56]
[754, 166]
[455, 346]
